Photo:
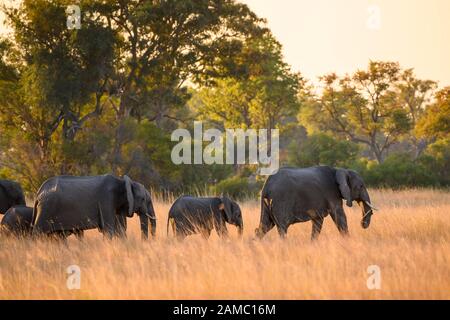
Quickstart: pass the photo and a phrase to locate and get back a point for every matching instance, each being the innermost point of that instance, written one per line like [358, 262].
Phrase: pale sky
[322, 36]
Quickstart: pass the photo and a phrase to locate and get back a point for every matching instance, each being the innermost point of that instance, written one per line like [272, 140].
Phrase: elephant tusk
[363, 211]
[371, 206]
[366, 214]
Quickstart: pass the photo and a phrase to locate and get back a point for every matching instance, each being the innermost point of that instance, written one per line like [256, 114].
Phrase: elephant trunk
[367, 211]
[152, 217]
[144, 226]
[153, 227]
[240, 227]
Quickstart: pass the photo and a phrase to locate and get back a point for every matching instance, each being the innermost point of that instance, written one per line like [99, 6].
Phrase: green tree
[435, 124]
[70, 67]
[415, 95]
[362, 107]
[166, 44]
[129, 65]
[264, 96]
[58, 84]
[435, 127]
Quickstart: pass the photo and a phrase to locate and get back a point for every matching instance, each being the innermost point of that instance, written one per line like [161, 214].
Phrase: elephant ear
[342, 180]
[227, 208]
[130, 196]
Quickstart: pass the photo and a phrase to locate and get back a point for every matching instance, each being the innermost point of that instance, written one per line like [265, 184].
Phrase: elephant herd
[67, 205]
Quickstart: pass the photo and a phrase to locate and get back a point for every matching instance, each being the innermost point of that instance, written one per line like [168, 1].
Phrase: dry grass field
[409, 239]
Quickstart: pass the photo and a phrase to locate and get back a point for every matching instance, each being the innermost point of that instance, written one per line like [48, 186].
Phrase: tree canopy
[106, 97]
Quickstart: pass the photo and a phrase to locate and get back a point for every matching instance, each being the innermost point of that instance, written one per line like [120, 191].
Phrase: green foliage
[322, 149]
[437, 159]
[376, 107]
[400, 170]
[436, 121]
[105, 99]
[238, 188]
[265, 97]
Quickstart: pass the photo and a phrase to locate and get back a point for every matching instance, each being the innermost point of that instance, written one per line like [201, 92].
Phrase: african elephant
[11, 194]
[17, 220]
[295, 195]
[68, 204]
[189, 215]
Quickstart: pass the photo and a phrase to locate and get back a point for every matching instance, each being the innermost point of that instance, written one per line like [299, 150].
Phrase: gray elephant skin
[69, 204]
[295, 195]
[17, 221]
[11, 194]
[189, 215]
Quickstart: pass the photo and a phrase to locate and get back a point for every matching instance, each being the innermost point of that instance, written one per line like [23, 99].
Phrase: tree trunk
[378, 154]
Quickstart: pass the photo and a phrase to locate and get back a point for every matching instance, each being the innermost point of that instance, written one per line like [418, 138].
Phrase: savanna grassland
[409, 239]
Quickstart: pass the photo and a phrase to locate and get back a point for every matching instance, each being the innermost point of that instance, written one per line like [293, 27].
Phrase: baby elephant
[17, 220]
[189, 215]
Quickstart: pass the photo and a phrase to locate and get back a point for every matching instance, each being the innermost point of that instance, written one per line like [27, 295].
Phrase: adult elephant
[295, 195]
[11, 194]
[68, 204]
[189, 215]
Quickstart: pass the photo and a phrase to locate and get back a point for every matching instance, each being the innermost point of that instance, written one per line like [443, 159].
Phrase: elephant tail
[266, 207]
[171, 222]
[168, 221]
[34, 218]
[3, 229]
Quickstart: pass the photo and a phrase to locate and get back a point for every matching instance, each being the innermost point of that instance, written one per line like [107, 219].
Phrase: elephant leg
[266, 224]
[79, 234]
[340, 220]
[219, 225]
[222, 230]
[120, 226]
[59, 236]
[316, 228]
[179, 230]
[206, 233]
[282, 230]
[107, 216]
[180, 235]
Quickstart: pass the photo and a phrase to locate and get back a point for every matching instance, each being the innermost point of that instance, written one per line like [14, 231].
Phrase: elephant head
[139, 201]
[233, 214]
[352, 188]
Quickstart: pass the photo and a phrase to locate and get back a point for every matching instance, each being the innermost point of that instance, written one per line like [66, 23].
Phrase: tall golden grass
[409, 239]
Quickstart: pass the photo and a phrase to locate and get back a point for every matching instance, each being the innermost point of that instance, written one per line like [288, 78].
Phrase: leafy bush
[399, 170]
[322, 149]
[238, 188]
